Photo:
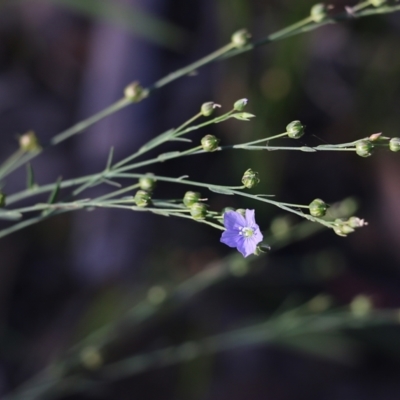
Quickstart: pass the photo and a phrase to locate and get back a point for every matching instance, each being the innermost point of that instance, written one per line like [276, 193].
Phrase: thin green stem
[191, 67]
[81, 126]
[19, 160]
[9, 162]
[238, 146]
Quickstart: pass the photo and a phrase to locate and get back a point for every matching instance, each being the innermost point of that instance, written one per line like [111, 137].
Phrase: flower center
[246, 232]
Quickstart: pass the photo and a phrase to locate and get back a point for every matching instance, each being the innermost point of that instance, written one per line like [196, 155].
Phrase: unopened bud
[319, 12]
[208, 108]
[342, 228]
[295, 130]
[226, 209]
[250, 178]
[135, 92]
[375, 136]
[394, 144]
[318, 208]
[29, 142]
[198, 210]
[240, 105]
[355, 222]
[262, 249]
[190, 198]
[2, 199]
[240, 38]
[210, 143]
[147, 182]
[241, 211]
[364, 148]
[142, 198]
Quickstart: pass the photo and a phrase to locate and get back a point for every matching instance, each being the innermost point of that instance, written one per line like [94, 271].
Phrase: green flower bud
[319, 12]
[224, 210]
[250, 178]
[355, 222]
[147, 183]
[135, 92]
[343, 230]
[2, 199]
[198, 210]
[338, 231]
[295, 130]
[190, 198]
[318, 208]
[364, 148]
[210, 143]
[240, 105]
[208, 108]
[240, 38]
[378, 3]
[262, 249]
[394, 144]
[241, 211]
[142, 198]
[29, 142]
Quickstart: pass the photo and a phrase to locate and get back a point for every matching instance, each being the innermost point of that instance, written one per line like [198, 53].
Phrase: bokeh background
[63, 279]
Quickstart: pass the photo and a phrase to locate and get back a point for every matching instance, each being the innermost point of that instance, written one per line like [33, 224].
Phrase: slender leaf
[167, 156]
[220, 190]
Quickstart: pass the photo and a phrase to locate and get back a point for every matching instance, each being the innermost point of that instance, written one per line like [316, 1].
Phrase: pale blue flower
[241, 232]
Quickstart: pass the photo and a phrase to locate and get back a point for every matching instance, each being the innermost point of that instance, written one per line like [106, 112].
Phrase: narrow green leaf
[243, 116]
[110, 158]
[164, 137]
[166, 156]
[54, 194]
[10, 215]
[164, 214]
[220, 190]
[30, 177]
[307, 149]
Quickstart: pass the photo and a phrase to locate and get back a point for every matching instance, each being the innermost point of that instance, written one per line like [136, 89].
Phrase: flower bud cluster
[192, 200]
[147, 184]
[343, 227]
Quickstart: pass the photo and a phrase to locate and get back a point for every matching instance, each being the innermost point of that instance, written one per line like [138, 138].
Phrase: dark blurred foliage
[67, 276]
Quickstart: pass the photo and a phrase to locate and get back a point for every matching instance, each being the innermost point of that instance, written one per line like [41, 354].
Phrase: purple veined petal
[247, 246]
[233, 220]
[257, 236]
[250, 218]
[230, 238]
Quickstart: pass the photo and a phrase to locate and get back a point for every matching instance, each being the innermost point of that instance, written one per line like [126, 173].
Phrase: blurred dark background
[60, 280]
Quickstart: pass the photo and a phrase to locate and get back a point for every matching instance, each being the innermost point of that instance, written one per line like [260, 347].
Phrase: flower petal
[250, 219]
[247, 246]
[234, 220]
[231, 238]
